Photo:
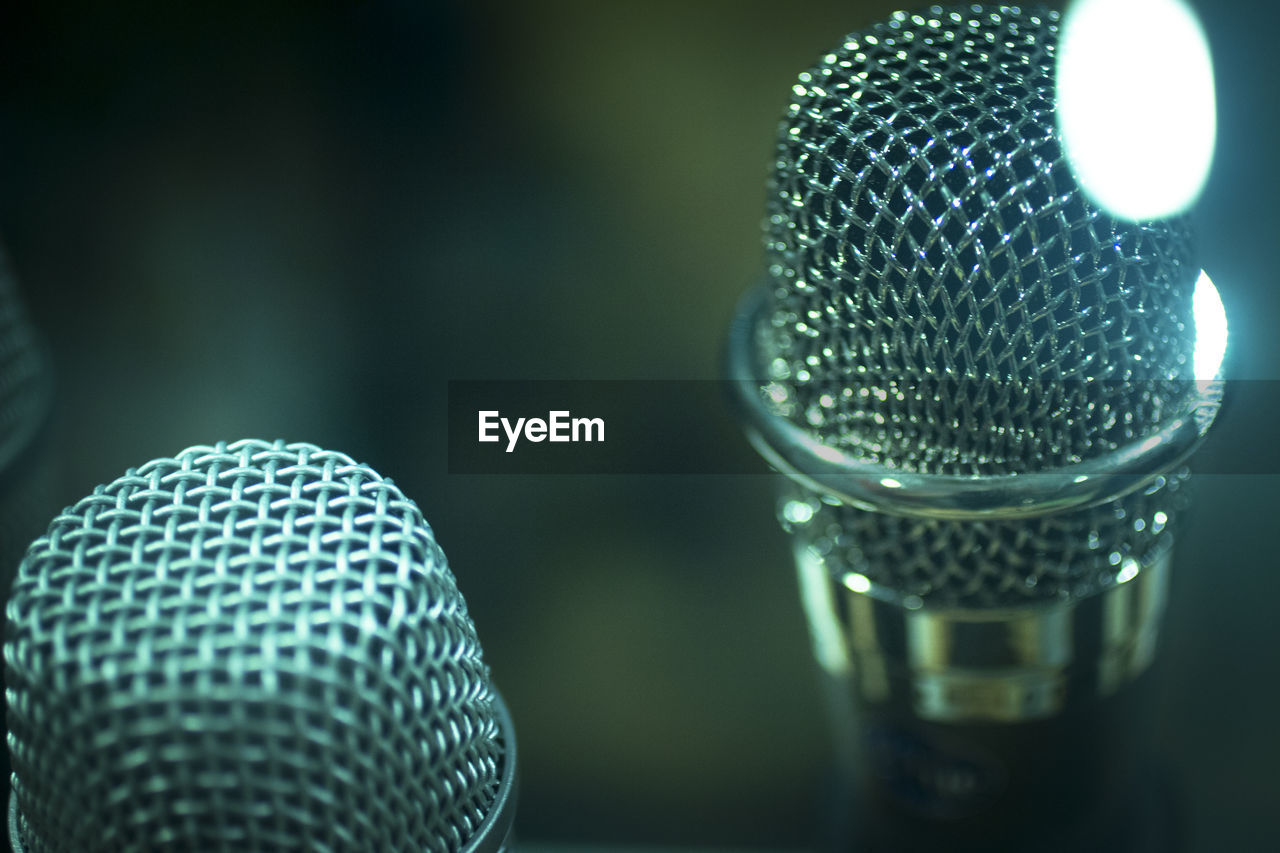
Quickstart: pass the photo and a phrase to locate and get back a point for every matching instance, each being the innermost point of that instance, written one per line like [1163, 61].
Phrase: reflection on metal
[1002, 664]
[843, 474]
[982, 384]
[1211, 330]
[1135, 104]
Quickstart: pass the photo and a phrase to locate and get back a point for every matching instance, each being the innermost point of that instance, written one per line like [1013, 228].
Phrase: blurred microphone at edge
[982, 389]
[28, 469]
[254, 646]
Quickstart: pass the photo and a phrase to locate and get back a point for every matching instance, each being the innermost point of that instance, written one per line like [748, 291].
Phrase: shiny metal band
[997, 665]
[836, 472]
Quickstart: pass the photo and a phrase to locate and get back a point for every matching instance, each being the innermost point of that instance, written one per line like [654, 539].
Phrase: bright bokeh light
[1211, 329]
[857, 582]
[1135, 104]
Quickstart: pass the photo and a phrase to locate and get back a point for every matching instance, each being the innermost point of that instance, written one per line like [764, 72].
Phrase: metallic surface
[30, 468]
[496, 832]
[992, 563]
[980, 384]
[982, 378]
[826, 466]
[946, 300]
[494, 835]
[250, 646]
[1003, 664]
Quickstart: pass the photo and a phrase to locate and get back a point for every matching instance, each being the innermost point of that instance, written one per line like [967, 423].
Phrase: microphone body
[980, 387]
[1012, 729]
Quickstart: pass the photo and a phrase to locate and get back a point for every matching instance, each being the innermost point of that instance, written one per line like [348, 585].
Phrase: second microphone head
[945, 297]
[250, 646]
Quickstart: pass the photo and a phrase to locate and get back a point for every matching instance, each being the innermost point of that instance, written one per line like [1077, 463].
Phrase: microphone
[28, 469]
[250, 646]
[982, 389]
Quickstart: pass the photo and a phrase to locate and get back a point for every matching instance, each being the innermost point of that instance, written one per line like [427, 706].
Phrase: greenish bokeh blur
[273, 220]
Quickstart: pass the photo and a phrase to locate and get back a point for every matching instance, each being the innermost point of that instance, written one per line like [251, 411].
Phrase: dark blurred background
[277, 220]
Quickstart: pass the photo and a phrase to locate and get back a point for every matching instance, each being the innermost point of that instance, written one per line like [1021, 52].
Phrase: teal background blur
[276, 220]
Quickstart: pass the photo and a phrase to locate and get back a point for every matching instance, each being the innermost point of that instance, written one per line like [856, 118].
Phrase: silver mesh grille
[947, 300]
[254, 646]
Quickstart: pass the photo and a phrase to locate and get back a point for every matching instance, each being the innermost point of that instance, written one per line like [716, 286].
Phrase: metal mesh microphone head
[944, 301]
[947, 300]
[250, 646]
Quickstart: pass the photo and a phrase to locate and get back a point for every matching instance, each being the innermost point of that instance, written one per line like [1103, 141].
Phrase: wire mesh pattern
[999, 563]
[947, 299]
[25, 382]
[26, 392]
[249, 646]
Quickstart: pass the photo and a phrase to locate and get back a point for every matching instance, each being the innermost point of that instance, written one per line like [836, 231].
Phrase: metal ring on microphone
[865, 485]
